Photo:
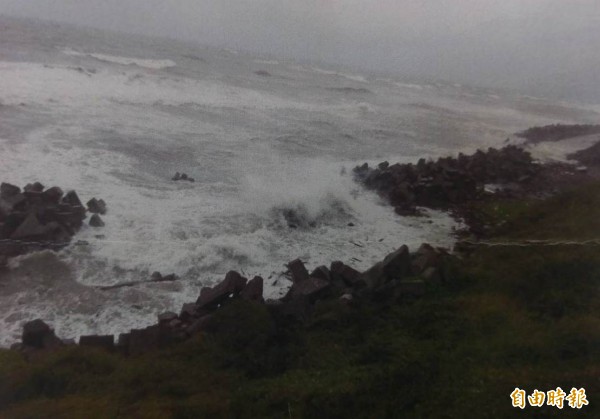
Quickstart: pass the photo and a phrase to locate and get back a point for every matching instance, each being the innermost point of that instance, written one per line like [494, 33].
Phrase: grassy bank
[512, 316]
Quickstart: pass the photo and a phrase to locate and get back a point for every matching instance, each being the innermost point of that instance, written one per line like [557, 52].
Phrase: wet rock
[12, 203]
[396, 265]
[96, 221]
[167, 317]
[34, 187]
[426, 256]
[321, 272]
[37, 334]
[7, 190]
[52, 195]
[253, 291]
[144, 340]
[122, 345]
[298, 270]
[347, 274]
[96, 206]
[106, 342]
[233, 284]
[72, 199]
[311, 288]
[188, 310]
[31, 228]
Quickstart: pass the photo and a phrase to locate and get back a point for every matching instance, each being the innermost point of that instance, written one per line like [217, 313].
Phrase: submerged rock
[96, 221]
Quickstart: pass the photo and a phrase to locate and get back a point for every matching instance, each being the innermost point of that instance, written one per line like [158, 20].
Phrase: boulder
[188, 310]
[122, 345]
[426, 256]
[38, 334]
[396, 265]
[12, 203]
[7, 190]
[177, 176]
[96, 221]
[52, 195]
[144, 340]
[166, 317]
[34, 187]
[233, 284]
[72, 199]
[96, 206]
[298, 270]
[31, 228]
[321, 272]
[311, 288]
[98, 341]
[347, 274]
[253, 291]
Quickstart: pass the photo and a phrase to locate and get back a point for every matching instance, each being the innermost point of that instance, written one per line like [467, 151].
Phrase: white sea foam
[150, 64]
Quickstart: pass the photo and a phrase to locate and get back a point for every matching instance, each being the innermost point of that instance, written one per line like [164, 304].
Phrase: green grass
[525, 317]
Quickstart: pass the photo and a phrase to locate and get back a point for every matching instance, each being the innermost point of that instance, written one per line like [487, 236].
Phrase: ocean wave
[140, 62]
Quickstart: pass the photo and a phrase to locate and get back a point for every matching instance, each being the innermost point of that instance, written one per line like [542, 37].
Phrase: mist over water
[270, 144]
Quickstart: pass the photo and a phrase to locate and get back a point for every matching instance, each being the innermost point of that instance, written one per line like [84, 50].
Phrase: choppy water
[115, 116]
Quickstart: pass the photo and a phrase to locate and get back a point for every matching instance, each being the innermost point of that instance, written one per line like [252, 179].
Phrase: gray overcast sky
[539, 46]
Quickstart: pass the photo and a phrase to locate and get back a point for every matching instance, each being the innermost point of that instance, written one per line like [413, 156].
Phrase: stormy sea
[270, 144]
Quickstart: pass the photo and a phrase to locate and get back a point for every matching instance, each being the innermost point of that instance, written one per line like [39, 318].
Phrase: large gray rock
[106, 342]
[233, 284]
[34, 187]
[96, 206]
[424, 258]
[311, 288]
[37, 334]
[298, 270]
[396, 265]
[11, 203]
[96, 221]
[7, 190]
[72, 199]
[31, 228]
[350, 276]
[144, 340]
[52, 195]
[253, 291]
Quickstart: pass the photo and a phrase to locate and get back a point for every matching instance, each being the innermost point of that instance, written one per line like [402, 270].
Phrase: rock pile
[182, 176]
[448, 181]
[400, 276]
[38, 218]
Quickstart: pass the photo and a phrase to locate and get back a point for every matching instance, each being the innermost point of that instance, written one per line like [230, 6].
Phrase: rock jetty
[448, 181]
[36, 218]
[399, 276]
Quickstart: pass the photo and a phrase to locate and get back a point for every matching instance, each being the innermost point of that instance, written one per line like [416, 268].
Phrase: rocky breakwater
[399, 277]
[447, 182]
[36, 218]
